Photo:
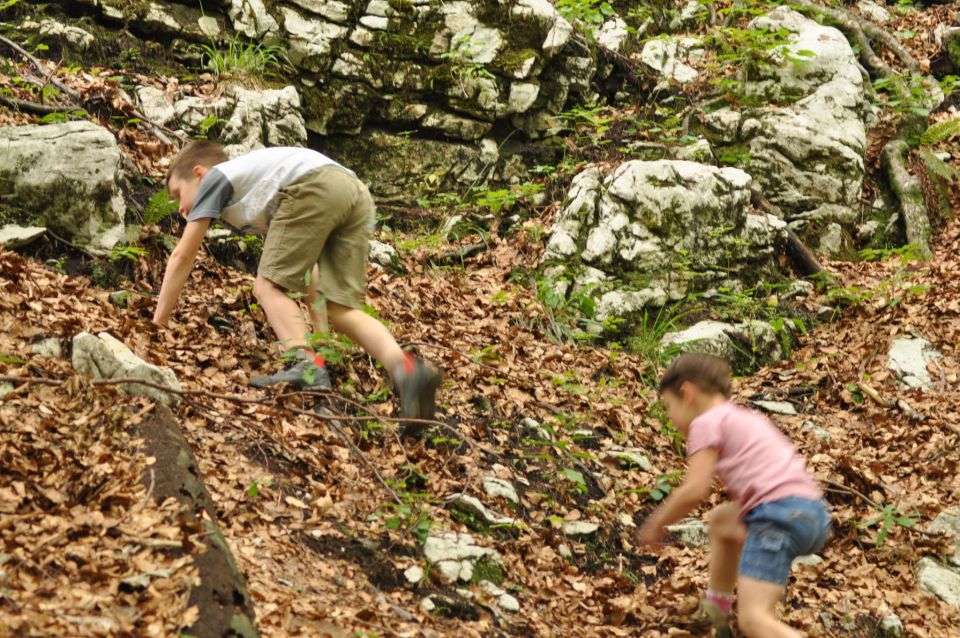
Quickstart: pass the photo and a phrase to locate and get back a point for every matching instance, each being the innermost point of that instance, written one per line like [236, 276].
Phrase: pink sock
[723, 601]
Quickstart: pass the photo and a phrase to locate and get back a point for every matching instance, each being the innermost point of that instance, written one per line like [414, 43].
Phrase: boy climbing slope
[777, 512]
[316, 218]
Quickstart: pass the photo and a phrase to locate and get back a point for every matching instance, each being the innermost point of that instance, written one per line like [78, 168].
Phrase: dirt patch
[378, 567]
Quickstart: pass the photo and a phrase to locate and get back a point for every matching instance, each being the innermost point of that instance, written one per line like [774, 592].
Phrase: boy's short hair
[196, 153]
[708, 373]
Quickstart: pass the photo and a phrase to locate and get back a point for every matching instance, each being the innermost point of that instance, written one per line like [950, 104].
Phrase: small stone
[564, 550]
[796, 289]
[472, 506]
[938, 580]
[49, 347]
[579, 528]
[777, 407]
[449, 225]
[816, 430]
[427, 605]
[908, 359]
[490, 589]
[891, 627]
[691, 531]
[630, 457]
[808, 560]
[508, 603]
[873, 11]
[413, 574]
[5, 388]
[498, 488]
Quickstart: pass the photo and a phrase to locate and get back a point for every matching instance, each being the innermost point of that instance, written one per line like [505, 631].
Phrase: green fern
[937, 167]
[940, 131]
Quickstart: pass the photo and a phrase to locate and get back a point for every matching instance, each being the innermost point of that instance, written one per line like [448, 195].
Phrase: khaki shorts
[323, 218]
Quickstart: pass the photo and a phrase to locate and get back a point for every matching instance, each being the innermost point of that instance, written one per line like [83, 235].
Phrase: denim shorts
[778, 532]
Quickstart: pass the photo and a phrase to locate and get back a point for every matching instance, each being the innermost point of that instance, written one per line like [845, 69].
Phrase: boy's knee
[263, 286]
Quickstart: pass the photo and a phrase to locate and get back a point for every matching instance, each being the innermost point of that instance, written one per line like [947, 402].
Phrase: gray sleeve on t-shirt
[212, 196]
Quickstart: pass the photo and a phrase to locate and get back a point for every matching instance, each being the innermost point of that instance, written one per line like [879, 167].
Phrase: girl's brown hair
[708, 373]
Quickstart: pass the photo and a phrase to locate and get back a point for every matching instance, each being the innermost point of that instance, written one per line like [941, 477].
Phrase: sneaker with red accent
[711, 615]
[416, 383]
[308, 372]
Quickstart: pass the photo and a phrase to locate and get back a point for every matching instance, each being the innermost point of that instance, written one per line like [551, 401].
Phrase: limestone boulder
[244, 119]
[908, 359]
[942, 582]
[66, 177]
[808, 157]
[456, 555]
[626, 238]
[745, 345]
[103, 356]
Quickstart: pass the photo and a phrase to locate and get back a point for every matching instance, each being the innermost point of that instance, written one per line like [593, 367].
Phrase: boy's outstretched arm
[178, 269]
[693, 491]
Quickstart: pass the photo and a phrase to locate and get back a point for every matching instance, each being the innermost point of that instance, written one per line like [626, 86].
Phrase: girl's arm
[178, 269]
[693, 491]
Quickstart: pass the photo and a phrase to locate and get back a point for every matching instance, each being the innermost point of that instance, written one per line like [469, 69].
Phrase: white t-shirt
[243, 192]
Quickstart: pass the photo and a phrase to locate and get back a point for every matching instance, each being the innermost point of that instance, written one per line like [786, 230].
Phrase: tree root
[909, 192]
[800, 256]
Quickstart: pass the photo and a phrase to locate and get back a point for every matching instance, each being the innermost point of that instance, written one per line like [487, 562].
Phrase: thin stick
[34, 108]
[54, 81]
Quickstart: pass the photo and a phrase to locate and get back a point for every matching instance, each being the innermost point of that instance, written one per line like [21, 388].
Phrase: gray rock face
[627, 239]
[247, 119]
[808, 155]
[401, 169]
[908, 359]
[65, 177]
[104, 357]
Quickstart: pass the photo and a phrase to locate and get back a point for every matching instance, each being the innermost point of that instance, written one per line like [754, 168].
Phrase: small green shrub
[159, 207]
[250, 61]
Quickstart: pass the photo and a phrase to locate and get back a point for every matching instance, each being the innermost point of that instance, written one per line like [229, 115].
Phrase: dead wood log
[458, 254]
[909, 192]
[800, 256]
[221, 595]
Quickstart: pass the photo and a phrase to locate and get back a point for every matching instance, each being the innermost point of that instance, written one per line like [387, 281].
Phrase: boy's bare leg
[283, 313]
[368, 333]
[727, 534]
[757, 610]
[318, 310]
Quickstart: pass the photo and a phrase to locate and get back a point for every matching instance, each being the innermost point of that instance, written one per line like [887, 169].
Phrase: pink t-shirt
[756, 462]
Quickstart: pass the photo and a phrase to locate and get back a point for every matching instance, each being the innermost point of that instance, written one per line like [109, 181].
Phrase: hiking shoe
[416, 384]
[304, 374]
[711, 615]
